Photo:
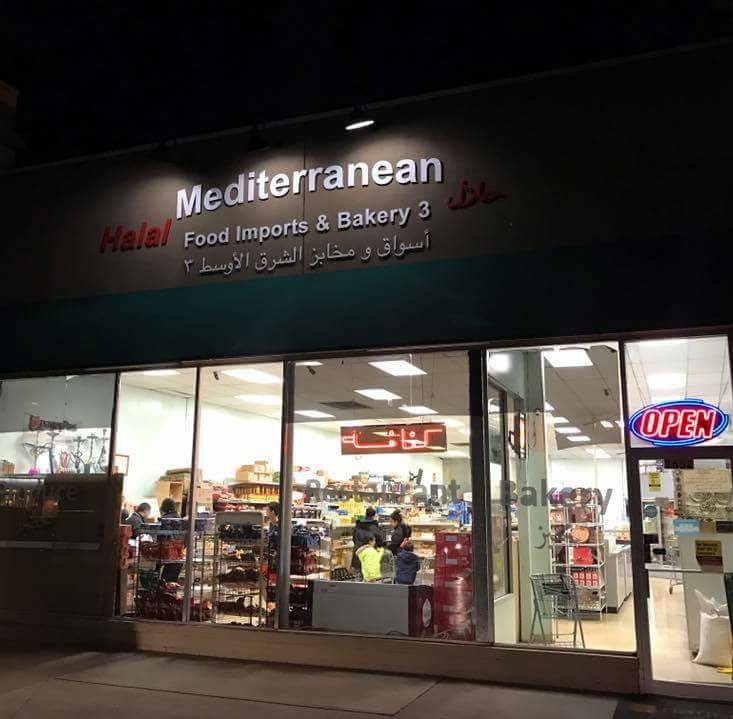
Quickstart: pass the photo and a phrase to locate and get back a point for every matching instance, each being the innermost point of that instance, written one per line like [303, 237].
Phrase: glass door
[684, 527]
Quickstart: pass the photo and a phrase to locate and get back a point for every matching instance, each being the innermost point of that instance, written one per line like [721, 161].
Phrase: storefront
[450, 395]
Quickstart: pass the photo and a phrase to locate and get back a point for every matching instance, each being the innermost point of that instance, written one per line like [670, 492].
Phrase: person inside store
[139, 517]
[168, 509]
[386, 561]
[407, 565]
[401, 532]
[364, 529]
[370, 558]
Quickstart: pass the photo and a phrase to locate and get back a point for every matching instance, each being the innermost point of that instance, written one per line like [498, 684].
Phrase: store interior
[375, 435]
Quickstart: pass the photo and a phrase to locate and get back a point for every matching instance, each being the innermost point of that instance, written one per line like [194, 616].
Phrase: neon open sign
[680, 423]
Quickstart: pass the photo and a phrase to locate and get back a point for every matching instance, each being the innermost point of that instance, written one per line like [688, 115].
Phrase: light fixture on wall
[359, 119]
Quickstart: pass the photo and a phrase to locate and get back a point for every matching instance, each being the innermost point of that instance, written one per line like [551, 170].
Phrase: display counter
[619, 580]
[373, 608]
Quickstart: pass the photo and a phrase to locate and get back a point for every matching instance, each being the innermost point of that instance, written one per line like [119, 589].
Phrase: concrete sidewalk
[52, 684]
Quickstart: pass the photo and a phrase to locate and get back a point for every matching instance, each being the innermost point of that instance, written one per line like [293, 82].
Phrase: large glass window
[237, 493]
[154, 445]
[569, 548]
[382, 502]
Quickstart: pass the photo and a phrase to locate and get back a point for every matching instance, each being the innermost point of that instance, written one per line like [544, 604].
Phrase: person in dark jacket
[407, 565]
[168, 509]
[139, 517]
[401, 532]
[363, 531]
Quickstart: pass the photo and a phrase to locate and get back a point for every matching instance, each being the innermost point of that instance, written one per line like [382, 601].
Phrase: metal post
[113, 507]
[282, 613]
[638, 570]
[483, 586]
[191, 506]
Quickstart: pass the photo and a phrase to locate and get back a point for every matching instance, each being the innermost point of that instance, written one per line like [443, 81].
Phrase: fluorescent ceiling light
[417, 409]
[270, 400]
[666, 380]
[455, 453]
[579, 438]
[662, 343]
[501, 362]
[597, 452]
[378, 394]
[256, 376]
[358, 119]
[313, 413]
[568, 358]
[605, 423]
[567, 430]
[160, 372]
[619, 423]
[557, 420]
[398, 368]
[308, 363]
[549, 407]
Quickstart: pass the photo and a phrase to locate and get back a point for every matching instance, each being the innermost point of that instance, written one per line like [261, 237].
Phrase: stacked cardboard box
[258, 472]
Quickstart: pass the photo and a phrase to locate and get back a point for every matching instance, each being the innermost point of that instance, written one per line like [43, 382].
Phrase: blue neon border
[719, 428]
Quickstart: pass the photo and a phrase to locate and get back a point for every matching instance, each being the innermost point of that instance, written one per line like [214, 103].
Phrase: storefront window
[569, 546]
[154, 444]
[235, 563]
[55, 492]
[683, 381]
[382, 508]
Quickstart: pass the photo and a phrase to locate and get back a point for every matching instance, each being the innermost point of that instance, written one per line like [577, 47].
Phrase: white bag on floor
[716, 645]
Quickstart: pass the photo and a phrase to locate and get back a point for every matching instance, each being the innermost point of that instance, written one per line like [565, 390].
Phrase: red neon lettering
[353, 439]
[112, 239]
[688, 418]
[670, 419]
[705, 423]
[650, 422]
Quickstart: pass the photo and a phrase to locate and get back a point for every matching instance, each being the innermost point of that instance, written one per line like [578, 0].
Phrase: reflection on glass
[567, 484]
[382, 507]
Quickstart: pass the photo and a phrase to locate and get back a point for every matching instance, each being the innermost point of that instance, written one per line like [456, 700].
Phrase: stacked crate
[453, 585]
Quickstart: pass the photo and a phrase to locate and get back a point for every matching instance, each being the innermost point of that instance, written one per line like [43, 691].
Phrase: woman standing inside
[401, 532]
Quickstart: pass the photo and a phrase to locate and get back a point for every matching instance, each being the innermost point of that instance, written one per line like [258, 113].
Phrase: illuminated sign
[680, 423]
[394, 439]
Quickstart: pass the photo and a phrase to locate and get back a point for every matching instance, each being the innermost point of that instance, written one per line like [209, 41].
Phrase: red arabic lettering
[469, 196]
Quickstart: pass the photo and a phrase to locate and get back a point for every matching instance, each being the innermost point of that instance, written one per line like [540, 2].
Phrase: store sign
[709, 553]
[680, 423]
[394, 439]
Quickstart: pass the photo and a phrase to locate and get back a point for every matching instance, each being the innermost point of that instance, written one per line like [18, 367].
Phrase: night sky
[112, 77]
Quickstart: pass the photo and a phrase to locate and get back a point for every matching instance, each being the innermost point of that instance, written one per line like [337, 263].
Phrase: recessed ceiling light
[579, 438]
[666, 380]
[313, 413]
[417, 409]
[160, 372]
[398, 368]
[309, 363]
[256, 376]
[605, 423]
[557, 420]
[549, 407]
[568, 358]
[597, 452]
[567, 430]
[378, 394]
[500, 362]
[270, 400]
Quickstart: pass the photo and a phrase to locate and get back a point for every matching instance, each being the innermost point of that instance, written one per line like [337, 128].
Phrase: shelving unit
[239, 585]
[578, 550]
